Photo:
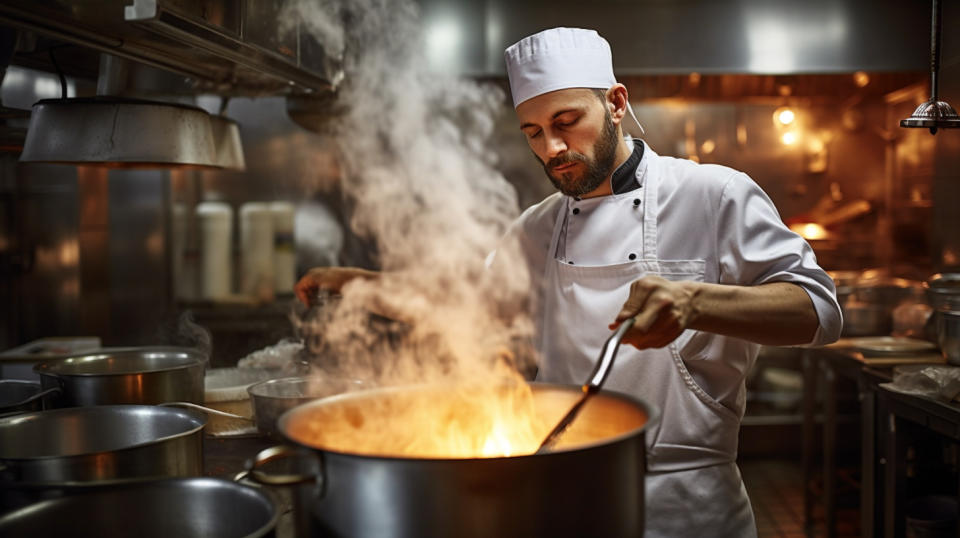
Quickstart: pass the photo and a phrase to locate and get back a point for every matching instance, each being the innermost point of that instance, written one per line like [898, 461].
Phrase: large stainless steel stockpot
[594, 487]
[63, 448]
[136, 375]
[181, 507]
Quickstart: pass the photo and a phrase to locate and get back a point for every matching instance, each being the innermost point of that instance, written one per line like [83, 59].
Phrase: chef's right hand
[330, 279]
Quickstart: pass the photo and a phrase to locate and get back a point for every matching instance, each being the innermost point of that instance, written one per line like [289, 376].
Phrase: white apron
[693, 486]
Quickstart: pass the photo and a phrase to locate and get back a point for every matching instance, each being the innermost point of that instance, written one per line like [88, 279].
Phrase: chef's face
[573, 135]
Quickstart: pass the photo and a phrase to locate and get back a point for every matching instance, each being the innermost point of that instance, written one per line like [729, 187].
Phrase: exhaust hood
[234, 47]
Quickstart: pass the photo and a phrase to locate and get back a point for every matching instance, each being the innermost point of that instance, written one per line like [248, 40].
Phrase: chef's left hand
[663, 310]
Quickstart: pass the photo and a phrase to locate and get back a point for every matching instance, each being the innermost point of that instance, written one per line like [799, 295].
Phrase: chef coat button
[636, 201]
[576, 210]
[571, 263]
[632, 256]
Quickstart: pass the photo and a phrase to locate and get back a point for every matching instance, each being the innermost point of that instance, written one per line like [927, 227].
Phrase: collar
[624, 178]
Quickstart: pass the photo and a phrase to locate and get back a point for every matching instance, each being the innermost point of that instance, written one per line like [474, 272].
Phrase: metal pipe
[934, 49]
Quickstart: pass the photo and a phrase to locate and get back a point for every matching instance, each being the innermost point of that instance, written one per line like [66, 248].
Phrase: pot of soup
[423, 461]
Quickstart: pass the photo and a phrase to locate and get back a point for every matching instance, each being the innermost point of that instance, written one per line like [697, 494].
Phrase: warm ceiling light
[934, 114]
[810, 230]
[117, 132]
[788, 138]
[784, 115]
[861, 79]
[708, 146]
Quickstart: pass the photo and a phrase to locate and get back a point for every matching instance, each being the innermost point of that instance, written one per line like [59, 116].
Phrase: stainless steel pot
[63, 448]
[274, 397]
[588, 489]
[136, 375]
[185, 508]
[943, 291]
[948, 335]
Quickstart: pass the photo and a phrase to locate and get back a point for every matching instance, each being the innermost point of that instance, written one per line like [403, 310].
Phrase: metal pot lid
[120, 132]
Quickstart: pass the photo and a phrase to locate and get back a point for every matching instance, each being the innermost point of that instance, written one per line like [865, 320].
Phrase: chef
[696, 254]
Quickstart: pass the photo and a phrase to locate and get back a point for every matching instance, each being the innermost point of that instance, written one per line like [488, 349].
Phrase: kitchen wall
[70, 266]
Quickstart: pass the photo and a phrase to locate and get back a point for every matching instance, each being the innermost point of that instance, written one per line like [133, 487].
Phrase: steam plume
[414, 150]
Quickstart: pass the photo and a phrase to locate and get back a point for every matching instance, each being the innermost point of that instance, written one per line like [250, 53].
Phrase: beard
[597, 170]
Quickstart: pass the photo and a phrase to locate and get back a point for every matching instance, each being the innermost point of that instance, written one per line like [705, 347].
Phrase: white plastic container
[256, 249]
[215, 224]
[284, 256]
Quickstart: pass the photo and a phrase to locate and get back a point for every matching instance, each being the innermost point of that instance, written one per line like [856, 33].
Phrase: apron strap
[647, 178]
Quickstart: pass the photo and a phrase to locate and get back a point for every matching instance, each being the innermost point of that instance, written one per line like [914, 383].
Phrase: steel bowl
[182, 507]
[135, 375]
[274, 397]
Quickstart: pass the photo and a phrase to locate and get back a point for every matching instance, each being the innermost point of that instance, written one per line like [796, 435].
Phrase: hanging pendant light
[933, 114]
[119, 132]
[122, 132]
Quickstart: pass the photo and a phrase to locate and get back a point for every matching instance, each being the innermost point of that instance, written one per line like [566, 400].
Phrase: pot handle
[275, 453]
[33, 398]
[205, 410]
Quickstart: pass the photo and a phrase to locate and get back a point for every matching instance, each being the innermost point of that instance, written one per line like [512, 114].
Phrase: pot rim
[195, 417]
[49, 367]
[652, 412]
[253, 389]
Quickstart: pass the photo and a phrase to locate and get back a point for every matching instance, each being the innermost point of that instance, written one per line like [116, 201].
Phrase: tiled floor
[776, 491]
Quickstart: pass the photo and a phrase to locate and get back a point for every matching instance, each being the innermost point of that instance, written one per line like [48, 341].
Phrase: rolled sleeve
[755, 247]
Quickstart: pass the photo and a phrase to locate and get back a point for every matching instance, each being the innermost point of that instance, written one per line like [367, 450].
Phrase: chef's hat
[557, 59]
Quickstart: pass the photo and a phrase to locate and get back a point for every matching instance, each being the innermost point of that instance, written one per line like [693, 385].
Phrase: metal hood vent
[231, 47]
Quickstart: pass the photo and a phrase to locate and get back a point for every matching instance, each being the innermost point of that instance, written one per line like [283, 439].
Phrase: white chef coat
[699, 222]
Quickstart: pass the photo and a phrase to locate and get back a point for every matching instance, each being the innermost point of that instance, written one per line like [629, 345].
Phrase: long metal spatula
[591, 387]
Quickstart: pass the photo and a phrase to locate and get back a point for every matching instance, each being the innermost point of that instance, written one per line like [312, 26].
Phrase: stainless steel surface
[594, 489]
[185, 507]
[738, 36]
[143, 375]
[274, 397]
[226, 46]
[934, 114]
[607, 354]
[102, 444]
[948, 335]
[110, 131]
